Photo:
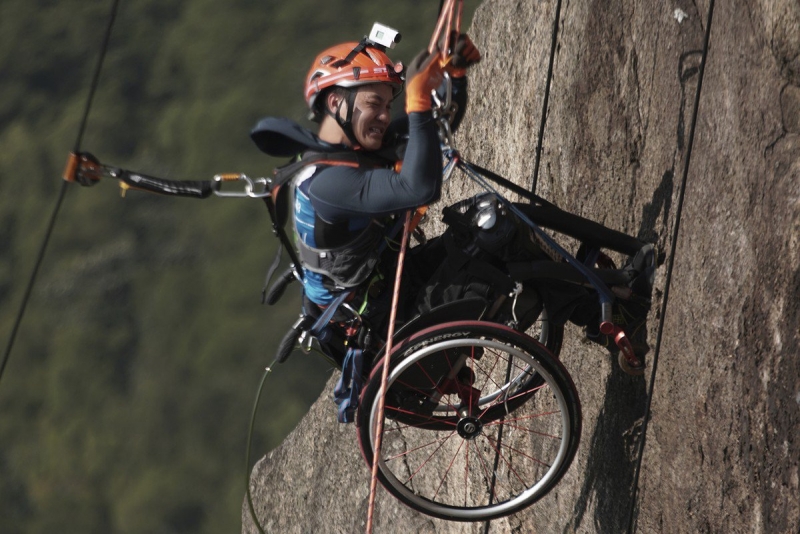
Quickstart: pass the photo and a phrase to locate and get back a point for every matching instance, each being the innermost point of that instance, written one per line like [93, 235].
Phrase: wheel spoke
[466, 475]
[491, 476]
[424, 392]
[447, 471]
[498, 451]
[428, 459]
[490, 374]
[513, 449]
[524, 417]
[438, 442]
[528, 430]
[504, 401]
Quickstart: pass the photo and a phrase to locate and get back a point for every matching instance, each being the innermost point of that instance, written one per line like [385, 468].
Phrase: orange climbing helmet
[350, 65]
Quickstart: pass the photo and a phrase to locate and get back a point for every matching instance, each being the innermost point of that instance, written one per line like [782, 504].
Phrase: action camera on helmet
[384, 35]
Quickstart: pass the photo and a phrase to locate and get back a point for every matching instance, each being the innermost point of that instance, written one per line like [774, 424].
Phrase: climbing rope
[64, 184]
[449, 21]
[553, 44]
[537, 159]
[670, 266]
[385, 373]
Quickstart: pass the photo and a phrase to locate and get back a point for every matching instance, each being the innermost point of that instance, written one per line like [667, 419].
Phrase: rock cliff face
[722, 447]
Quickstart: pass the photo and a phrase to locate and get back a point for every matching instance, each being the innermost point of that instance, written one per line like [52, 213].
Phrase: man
[346, 195]
[342, 207]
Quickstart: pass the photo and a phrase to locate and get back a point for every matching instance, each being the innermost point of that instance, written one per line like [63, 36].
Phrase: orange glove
[465, 54]
[424, 74]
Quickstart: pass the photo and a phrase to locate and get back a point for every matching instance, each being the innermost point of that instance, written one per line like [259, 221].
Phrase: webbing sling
[348, 388]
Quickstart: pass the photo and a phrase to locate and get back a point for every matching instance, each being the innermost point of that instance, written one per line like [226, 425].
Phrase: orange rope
[449, 20]
[385, 372]
[448, 7]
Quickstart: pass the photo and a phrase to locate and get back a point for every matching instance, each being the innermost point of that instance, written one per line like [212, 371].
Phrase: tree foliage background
[125, 403]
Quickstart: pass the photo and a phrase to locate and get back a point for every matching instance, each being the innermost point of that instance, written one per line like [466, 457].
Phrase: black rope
[95, 79]
[542, 122]
[62, 193]
[670, 265]
[29, 288]
[553, 44]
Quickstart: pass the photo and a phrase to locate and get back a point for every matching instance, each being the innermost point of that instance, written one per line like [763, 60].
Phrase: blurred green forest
[125, 404]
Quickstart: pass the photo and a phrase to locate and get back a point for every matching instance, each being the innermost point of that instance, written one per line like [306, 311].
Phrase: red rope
[449, 20]
[385, 372]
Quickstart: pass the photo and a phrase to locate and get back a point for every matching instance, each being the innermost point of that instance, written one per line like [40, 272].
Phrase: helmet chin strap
[346, 123]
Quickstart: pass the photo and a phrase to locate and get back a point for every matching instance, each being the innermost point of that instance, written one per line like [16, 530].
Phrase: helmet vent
[372, 56]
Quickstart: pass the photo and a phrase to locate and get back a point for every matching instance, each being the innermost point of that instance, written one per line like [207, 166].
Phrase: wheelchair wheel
[480, 421]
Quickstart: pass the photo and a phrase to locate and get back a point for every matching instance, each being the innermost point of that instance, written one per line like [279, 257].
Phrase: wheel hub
[469, 427]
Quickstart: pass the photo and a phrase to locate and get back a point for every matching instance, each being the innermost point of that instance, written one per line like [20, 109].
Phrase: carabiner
[249, 187]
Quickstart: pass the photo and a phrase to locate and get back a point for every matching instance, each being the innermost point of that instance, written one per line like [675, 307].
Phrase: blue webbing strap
[348, 389]
[318, 329]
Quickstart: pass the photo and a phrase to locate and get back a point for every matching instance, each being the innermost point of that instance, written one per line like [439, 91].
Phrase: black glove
[465, 54]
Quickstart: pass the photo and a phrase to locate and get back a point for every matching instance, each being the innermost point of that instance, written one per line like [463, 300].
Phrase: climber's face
[371, 115]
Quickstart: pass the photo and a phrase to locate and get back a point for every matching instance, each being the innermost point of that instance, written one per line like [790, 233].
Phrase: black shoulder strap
[278, 203]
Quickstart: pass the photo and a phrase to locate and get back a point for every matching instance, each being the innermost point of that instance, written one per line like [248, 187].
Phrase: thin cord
[250, 506]
[61, 194]
[538, 155]
[670, 266]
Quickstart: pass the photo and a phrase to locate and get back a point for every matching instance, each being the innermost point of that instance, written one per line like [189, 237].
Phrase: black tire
[480, 421]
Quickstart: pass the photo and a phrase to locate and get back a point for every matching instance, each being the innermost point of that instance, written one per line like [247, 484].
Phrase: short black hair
[318, 112]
